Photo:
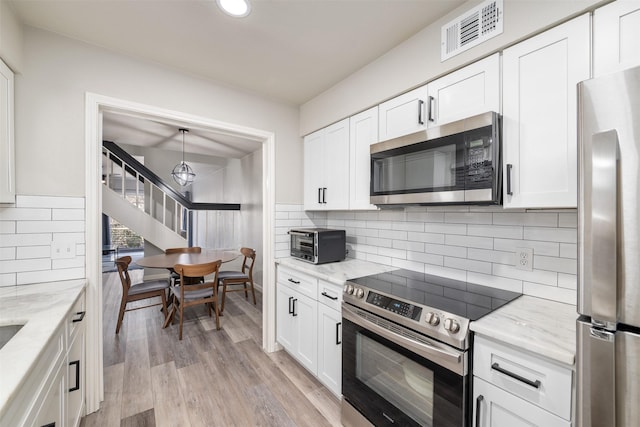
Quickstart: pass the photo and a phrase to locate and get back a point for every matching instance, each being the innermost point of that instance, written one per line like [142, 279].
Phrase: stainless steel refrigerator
[608, 330]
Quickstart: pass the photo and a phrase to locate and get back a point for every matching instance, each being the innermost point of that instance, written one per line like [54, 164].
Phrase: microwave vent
[472, 28]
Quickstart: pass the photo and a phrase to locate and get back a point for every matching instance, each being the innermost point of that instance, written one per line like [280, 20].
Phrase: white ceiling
[287, 50]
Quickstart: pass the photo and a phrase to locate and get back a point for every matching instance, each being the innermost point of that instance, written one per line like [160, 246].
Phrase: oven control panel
[401, 308]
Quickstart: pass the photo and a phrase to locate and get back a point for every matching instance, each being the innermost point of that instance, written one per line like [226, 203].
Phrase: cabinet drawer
[329, 294]
[541, 382]
[497, 408]
[300, 282]
[76, 316]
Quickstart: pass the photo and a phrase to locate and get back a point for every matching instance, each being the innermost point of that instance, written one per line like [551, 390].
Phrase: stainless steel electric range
[406, 348]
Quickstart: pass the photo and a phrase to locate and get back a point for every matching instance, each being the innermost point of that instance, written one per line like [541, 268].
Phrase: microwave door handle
[601, 227]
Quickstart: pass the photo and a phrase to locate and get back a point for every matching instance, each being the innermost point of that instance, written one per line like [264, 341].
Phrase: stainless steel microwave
[318, 245]
[456, 163]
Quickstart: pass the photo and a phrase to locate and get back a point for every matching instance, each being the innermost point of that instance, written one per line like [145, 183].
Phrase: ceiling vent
[471, 28]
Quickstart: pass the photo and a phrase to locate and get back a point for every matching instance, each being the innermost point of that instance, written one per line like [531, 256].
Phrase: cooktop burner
[461, 298]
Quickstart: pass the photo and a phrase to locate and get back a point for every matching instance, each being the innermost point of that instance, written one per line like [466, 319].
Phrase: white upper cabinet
[540, 76]
[472, 90]
[616, 37]
[7, 145]
[363, 128]
[326, 168]
[403, 114]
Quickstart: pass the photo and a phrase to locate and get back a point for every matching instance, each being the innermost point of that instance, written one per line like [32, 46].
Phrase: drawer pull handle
[324, 294]
[77, 365]
[535, 384]
[79, 319]
[479, 400]
[297, 282]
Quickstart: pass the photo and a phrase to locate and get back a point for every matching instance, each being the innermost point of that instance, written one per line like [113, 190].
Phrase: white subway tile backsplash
[25, 214]
[473, 243]
[50, 275]
[14, 240]
[534, 219]
[566, 296]
[7, 253]
[281, 215]
[7, 227]
[564, 235]
[22, 265]
[538, 276]
[501, 231]
[469, 241]
[7, 280]
[468, 217]
[30, 227]
[539, 247]
[560, 265]
[67, 214]
[431, 227]
[425, 258]
[569, 250]
[26, 252]
[468, 265]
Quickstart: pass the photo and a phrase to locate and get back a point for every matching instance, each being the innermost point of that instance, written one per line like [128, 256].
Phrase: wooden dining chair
[173, 276]
[138, 291]
[243, 277]
[191, 293]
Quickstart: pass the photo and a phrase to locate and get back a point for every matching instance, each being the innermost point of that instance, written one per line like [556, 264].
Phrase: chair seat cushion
[199, 294]
[232, 275]
[152, 285]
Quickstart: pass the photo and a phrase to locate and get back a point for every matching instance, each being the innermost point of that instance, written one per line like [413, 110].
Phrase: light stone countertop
[546, 328]
[336, 272]
[41, 308]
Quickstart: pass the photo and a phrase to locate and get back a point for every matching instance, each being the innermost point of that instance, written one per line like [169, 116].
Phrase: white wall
[50, 106]
[10, 38]
[417, 60]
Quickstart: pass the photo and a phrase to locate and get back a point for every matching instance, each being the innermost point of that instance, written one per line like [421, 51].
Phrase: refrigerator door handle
[602, 241]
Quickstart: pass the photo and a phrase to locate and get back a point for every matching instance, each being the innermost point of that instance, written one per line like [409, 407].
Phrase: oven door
[394, 380]
[303, 245]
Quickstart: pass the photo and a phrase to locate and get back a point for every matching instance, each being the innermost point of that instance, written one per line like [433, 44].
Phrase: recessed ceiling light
[236, 8]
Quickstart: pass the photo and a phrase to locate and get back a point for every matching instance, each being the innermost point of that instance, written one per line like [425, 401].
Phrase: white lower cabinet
[52, 394]
[309, 324]
[513, 387]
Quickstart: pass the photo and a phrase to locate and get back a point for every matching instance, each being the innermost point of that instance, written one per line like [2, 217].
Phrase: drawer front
[494, 407]
[329, 294]
[300, 282]
[76, 316]
[541, 382]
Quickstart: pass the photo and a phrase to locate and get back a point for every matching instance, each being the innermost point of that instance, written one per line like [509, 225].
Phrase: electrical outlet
[524, 259]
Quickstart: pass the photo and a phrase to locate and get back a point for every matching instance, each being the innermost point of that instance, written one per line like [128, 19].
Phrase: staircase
[138, 199]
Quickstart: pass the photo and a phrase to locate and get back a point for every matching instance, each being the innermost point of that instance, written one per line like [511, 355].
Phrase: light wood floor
[210, 378]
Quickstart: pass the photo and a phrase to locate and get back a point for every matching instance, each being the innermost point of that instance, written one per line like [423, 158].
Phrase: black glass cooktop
[461, 298]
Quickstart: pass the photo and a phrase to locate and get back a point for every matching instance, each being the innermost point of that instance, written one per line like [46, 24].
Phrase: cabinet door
[305, 315]
[616, 37]
[7, 147]
[313, 169]
[336, 166]
[403, 114]
[363, 129]
[494, 407]
[540, 116]
[472, 90]
[285, 333]
[52, 410]
[330, 348]
[76, 378]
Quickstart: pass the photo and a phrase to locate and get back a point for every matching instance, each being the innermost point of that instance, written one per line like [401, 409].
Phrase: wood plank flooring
[210, 378]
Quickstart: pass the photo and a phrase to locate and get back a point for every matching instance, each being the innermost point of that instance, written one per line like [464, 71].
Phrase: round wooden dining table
[169, 260]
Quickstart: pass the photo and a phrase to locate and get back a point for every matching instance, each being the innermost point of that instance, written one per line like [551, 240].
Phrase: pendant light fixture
[182, 173]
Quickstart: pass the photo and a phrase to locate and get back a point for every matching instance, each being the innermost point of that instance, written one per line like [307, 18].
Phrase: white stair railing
[123, 179]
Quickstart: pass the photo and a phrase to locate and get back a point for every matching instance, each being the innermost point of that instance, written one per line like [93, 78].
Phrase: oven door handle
[447, 359]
